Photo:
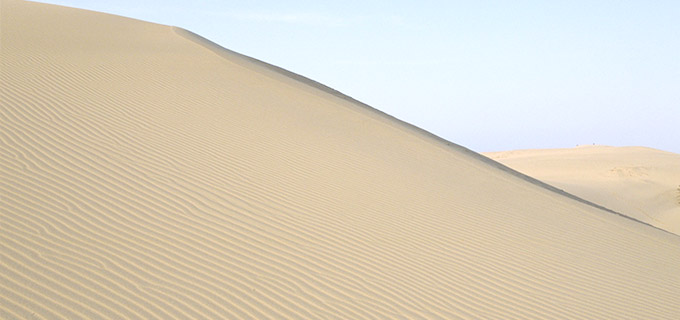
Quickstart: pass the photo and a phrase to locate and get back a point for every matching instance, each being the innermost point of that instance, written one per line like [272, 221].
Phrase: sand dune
[147, 173]
[642, 183]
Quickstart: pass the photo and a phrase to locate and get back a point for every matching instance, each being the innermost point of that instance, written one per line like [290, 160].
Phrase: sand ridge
[142, 175]
[636, 181]
[309, 85]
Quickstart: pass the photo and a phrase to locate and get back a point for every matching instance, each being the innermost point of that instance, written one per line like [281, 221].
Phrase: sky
[488, 75]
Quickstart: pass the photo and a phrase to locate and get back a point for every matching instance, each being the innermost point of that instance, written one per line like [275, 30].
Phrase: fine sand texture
[642, 183]
[145, 172]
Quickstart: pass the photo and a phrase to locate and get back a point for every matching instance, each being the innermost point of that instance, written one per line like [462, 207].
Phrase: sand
[148, 173]
[642, 183]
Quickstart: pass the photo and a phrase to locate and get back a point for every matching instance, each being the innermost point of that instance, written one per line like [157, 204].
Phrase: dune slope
[147, 173]
[642, 183]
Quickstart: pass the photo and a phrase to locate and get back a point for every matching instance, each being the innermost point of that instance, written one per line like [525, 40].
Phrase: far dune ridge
[642, 183]
[147, 173]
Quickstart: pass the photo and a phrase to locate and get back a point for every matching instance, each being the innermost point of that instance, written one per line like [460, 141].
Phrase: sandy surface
[147, 173]
[639, 182]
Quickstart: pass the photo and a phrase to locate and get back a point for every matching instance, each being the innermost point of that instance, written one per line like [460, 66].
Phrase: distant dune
[148, 173]
[642, 183]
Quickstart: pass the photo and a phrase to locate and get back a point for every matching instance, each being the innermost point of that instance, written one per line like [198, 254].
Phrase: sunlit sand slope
[642, 183]
[147, 173]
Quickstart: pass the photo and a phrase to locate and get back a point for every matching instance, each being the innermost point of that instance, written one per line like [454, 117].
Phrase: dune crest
[639, 182]
[144, 174]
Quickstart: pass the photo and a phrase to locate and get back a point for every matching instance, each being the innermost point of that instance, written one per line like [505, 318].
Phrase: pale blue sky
[489, 75]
